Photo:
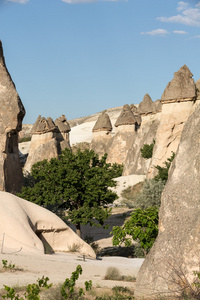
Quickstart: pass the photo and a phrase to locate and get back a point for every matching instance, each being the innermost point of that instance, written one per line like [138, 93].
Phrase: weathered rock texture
[62, 135]
[103, 123]
[175, 253]
[11, 115]
[181, 88]
[29, 228]
[126, 120]
[146, 106]
[178, 104]
[134, 162]
[43, 143]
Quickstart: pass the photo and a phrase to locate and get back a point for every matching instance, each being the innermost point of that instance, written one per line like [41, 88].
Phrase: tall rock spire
[11, 115]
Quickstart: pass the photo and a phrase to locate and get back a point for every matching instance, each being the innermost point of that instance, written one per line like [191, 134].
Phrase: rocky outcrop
[62, 135]
[181, 88]
[125, 133]
[146, 106]
[101, 134]
[31, 229]
[126, 120]
[11, 115]
[134, 162]
[43, 142]
[178, 103]
[175, 255]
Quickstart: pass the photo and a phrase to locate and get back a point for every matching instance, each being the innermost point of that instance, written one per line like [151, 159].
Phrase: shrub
[147, 150]
[142, 227]
[163, 171]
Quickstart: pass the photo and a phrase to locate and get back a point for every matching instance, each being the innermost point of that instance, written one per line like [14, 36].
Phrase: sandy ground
[59, 266]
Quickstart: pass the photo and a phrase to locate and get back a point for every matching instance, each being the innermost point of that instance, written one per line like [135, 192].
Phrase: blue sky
[79, 57]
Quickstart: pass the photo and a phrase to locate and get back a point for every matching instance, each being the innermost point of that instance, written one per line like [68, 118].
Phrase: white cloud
[158, 32]
[189, 15]
[180, 32]
[87, 1]
[18, 1]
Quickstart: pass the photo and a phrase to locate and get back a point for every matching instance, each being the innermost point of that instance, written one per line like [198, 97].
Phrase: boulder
[146, 106]
[11, 115]
[29, 228]
[181, 88]
[174, 256]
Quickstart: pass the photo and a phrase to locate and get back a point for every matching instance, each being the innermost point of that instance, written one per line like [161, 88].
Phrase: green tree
[147, 150]
[78, 182]
[163, 171]
[142, 227]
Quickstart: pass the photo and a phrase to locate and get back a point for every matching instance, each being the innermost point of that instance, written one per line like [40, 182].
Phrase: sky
[79, 57]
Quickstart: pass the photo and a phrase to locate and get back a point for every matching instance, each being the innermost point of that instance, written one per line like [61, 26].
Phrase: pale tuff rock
[43, 142]
[181, 88]
[11, 116]
[27, 228]
[134, 162]
[180, 91]
[103, 123]
[177, 247]
[146, 106]
[197, 83]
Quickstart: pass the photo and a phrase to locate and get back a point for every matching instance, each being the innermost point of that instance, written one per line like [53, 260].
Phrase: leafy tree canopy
[78, 182]
[142, 227]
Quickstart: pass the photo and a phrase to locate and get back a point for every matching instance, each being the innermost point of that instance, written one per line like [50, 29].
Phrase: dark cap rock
[43, 125]
[62, 124]
[146, 106]
[103, 123]
[182, 87]
[126, 117]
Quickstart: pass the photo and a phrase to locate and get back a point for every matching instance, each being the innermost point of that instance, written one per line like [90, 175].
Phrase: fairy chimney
[62, 135]
[197, 83]
[12, 113]
[158, 105]
[181, 88]
[44, 144]
[102, 127]
[147, 106]
[126, 120]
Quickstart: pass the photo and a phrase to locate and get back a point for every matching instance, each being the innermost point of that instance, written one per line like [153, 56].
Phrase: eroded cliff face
[175, 254]
[134, 162]
[11, 115]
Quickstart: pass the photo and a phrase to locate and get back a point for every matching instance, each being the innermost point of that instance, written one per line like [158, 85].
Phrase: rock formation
[178, 102]
[11, 116]
[62, 135]
[125, 133]
[43, 143]
[146, 106]
[181, 88]
[29, 228]
[101, 134]
[175, 254]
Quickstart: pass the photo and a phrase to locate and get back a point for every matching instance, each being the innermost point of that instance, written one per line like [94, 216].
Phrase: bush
[142, 227]
[147, 150]
[150, 194]
[163, 171]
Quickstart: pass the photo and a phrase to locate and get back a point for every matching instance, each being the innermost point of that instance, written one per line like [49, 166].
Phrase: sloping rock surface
[11, 115]
[182, 86]
[28, 228]
[146, 106]
[175, 254]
